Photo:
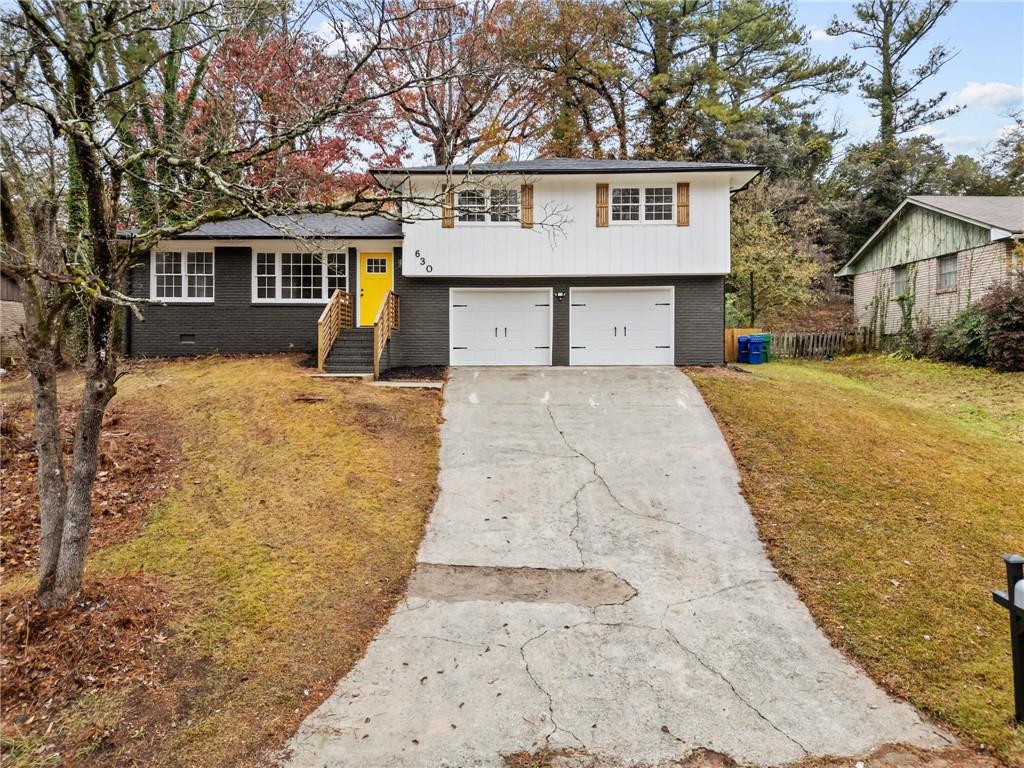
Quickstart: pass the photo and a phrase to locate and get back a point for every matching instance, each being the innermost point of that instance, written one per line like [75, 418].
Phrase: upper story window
[947, 273]
[495, 205]
[642, 204]
[900, 283]
[472, 205]
[299, 278]
[182, 276]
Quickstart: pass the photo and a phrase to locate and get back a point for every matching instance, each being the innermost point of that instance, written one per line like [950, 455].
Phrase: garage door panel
[621, 326]
[500, 327]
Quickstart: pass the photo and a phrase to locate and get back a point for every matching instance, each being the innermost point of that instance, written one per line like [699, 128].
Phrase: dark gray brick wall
[232, 324]
[699, 310]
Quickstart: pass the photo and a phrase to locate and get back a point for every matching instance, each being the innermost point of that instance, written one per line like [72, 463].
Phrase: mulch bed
[416, 373]
[112, 634]
[138, 456]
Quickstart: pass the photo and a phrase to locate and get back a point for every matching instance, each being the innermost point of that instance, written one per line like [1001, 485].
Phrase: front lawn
[283, 541]
[886, 492]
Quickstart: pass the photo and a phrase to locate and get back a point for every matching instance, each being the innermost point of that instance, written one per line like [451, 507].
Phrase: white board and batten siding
[565, 240]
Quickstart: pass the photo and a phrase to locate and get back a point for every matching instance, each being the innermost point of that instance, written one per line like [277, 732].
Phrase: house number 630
[423, 262]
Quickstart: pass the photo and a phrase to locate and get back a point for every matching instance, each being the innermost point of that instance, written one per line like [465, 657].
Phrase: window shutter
[682, 204]
[526, 206]
[448, 208]
[602, 205]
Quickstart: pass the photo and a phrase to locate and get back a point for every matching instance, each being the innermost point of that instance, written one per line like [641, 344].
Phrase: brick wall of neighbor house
[978, 269]
[699, 310]
[231, 324]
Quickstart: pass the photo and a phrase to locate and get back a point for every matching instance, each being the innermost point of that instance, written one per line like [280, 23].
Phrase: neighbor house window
[658, 204]
[302, 278]
[626, 204]
[184, 276]
[947, 273]
[472, 204]
[899, 281]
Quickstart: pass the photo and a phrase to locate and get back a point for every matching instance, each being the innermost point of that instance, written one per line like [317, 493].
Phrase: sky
[986, 76]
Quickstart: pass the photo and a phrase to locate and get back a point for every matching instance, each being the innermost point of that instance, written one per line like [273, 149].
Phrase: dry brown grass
[886, 492]
[287, 540]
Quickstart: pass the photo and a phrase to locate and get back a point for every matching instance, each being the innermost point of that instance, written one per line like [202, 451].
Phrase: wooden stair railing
[336, 315]
[388, 321]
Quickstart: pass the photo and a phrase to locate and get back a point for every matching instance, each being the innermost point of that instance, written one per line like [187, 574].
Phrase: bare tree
[479, 99]
[102, 133]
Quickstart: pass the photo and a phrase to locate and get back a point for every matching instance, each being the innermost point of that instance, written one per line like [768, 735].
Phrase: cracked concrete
[615, 471]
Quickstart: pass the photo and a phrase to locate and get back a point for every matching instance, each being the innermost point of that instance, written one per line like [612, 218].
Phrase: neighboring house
[12, 317]
[544, 262]
[940, 253]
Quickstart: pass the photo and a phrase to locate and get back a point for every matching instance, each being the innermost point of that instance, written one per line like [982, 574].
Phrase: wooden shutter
[448, 209]
[602, 205]
[526, 206]
[682, 204]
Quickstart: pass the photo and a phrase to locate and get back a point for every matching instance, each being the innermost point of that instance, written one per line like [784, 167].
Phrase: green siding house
[942, 253]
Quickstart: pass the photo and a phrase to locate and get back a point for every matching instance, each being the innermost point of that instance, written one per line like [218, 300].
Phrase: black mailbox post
[1013, 601]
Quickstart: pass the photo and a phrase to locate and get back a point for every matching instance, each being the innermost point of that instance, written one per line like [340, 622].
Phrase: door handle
[623, 330]
[616, 329]
[506, 333]
[495, 332]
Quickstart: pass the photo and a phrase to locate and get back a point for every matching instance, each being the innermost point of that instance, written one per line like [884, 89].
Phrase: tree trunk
[50, 475]
[100, 375]
[886, 88]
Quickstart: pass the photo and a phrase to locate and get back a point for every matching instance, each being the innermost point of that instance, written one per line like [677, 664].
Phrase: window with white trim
[504, 205]
[183, 277]
[642, 204]
[947, 273]
[337, 273]
[472, 205]
[658, 204]
[298, 278]
[626, 204]
[376, 265]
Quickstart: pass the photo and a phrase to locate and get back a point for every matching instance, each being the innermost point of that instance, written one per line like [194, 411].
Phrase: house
[939, 253]
[542, 262]
[12, 317]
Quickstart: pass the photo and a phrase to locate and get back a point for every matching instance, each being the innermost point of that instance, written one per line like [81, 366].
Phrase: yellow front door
[374, 283]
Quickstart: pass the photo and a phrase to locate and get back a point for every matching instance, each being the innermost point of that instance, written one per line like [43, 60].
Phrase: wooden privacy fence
[796, 344]
[804, 344]
[731, 343]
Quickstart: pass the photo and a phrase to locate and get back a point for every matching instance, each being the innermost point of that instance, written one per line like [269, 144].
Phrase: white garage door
[621, 326]
[500, 326]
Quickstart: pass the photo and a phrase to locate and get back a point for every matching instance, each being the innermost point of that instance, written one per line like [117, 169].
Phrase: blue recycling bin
[743, 349]
[756, 350]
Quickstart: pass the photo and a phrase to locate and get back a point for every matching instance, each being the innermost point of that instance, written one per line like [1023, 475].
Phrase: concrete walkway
[597, 583]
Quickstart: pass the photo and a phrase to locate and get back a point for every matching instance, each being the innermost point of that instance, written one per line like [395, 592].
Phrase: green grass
[887, 491]
[285, 541]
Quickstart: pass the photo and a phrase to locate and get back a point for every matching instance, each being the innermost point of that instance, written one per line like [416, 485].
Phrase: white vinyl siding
[564, 240]
[182, 276]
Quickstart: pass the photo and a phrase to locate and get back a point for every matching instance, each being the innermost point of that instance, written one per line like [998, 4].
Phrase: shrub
[1003, 312]
[964, 339]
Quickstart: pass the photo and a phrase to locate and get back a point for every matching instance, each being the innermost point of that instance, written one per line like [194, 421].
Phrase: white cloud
[820, 35]
[989, 96]
[945, 139]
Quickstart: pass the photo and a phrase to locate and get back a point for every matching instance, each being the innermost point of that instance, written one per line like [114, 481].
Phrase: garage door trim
[452, 290]
[623, 288]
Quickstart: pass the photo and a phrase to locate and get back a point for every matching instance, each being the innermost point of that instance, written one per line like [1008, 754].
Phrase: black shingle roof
[304, 225]
[569, 165]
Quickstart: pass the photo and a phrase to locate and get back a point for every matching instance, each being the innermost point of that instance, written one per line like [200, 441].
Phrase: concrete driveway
[591, 579]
